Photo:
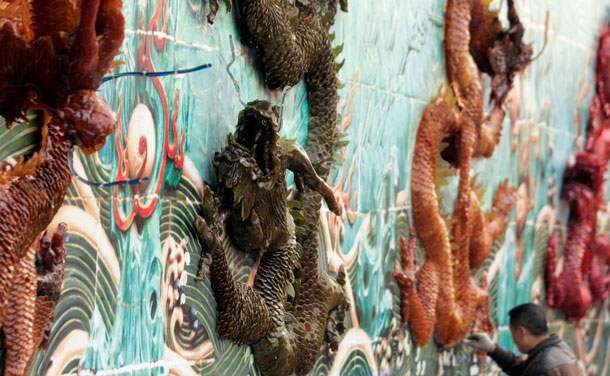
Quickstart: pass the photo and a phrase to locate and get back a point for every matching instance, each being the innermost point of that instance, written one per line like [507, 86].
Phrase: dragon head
[508, 55]
[88, 119]
[257, 131]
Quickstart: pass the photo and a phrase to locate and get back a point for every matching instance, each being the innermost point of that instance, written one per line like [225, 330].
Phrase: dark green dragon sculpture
[286, 330]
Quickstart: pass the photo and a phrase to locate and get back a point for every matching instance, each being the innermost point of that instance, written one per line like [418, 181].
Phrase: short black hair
[530, 316]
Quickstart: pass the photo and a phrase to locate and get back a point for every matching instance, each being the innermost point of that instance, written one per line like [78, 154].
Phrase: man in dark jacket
[546, 353]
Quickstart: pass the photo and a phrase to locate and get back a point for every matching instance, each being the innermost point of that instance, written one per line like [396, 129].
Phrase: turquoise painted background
[130, 303]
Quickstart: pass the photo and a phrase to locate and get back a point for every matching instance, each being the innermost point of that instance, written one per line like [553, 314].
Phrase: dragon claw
[335, 324]
[341, 275]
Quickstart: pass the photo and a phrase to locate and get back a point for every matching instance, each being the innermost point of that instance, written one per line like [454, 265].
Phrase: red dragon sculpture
[34, 292]
[54, 54]
[583, 279]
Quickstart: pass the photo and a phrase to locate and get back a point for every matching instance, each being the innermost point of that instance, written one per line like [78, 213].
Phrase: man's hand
[480, 341]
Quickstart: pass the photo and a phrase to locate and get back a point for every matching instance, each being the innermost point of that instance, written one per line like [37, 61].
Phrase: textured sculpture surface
[294, 41]
[54, 60]
[252, 190]
[447, 299]
[130, 299]
[583, 279]
[34, 293]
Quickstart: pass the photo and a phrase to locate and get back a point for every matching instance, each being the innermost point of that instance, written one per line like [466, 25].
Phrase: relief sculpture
[583, 279]
[293, 41]
[54, 57]
[285, 331]
[442, 296]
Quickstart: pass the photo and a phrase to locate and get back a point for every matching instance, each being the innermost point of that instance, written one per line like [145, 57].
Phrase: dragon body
[55, 54]
[34, 292]
[252, 195]
[586, 255]
[293, 41]
[446, 299]
[28, 203]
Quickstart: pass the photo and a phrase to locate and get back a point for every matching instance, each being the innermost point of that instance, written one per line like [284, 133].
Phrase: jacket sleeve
[509, 362]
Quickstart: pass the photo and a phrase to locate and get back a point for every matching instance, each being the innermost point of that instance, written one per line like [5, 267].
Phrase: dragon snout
[89, 120]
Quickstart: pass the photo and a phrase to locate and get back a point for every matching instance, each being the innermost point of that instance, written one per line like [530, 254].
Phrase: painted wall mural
[131, 302]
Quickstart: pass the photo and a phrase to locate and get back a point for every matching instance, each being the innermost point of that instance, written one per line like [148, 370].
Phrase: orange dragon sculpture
[446, 299]
[54, 54]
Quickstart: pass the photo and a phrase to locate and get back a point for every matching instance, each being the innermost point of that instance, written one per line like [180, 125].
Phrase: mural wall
[131, 302]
